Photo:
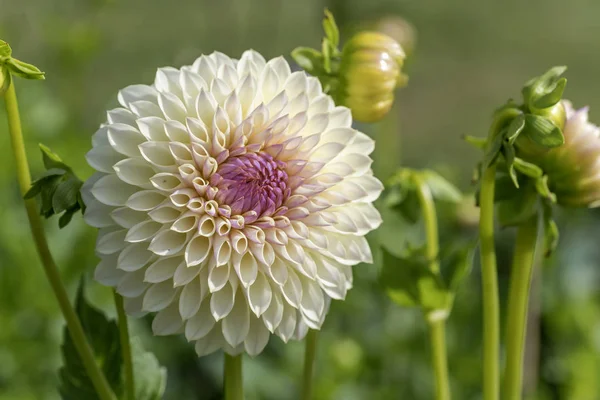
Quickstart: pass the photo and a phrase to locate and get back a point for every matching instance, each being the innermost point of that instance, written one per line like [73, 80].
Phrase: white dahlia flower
[232, 198]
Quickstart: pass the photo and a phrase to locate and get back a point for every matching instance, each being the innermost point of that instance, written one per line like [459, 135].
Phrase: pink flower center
[251, 182]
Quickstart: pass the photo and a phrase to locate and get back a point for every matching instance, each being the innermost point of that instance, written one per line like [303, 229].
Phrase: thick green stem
[518, 301]
[73, 324]
[234, 385]
[125, 347]
[435, 318]
[310, 354]
[489, 277]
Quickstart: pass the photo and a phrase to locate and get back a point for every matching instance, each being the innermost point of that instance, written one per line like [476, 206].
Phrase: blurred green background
[470, 57]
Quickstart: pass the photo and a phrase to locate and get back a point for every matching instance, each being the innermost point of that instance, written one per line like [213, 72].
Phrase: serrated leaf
[5, 50]
[149, 377]
[23, 69]
[553, 96]
[441, 189]
[103, 336]
[48, 187]
[332, 33]
[542, 131]
[65, 195]
[51, 159]
[517, 209]
[310, 60]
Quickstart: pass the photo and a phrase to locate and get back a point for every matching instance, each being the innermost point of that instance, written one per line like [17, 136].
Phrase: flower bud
[370, 71]
[528, 149]
[573, 169]
[400, 30]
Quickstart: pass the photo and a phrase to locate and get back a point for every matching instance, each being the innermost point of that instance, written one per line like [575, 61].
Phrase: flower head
[232, 198]
[574, 168]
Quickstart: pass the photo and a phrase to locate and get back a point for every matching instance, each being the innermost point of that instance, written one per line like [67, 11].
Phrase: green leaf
[505, 188]
[149, 377]
[51, 159]
[515, 128]
[327, 53]
[332, 33]
[544, 87]
[553, 96]
[551, 234]
[509, 156]
[528, 169]
[409, 282]
[48, 187]
[103, 336]
[410, 207]
[441, 189]
[479, 142]
[5, 50]
[542, 131]
[493, 149]
[65, 195]
[23, 69]
[518, 208]
[310, 60]
[66, 217]
[457, 263]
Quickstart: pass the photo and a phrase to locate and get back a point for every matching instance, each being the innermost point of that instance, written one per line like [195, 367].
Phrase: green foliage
[58, 188]
[410, 282]
[10, 65]
[545, 90]
[103, 336]
[149, 377]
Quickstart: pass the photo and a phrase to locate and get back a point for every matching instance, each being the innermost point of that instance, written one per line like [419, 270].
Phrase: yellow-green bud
[370, 71]
[533, 152]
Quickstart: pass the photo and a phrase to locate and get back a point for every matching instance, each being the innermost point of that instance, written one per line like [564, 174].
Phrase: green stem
[310, 354]
[73, 324]
[489, 277]
[234, 385]
[435, 318]
[518, 300]
[439, 357]
[125, 347]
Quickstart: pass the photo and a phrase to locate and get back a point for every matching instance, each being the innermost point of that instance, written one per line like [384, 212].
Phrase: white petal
[106, 271]
[167, 321]
[259, 295]
[112, 191]
[145, 200]
[102, 158]
[168, 243]
[125, 139]
[257, 338]
[274, 313]
[153, 129]
[286, 328]
[143, 231]
[162, 269]
[184, 274]
[159, 296]
[132, 284]
[135, 93]
[197, 250]
[221, 302]
[134, 257]
[218, 277]
[246, 268]
[292, 289]
[200, 324]
[172, 106]
[159, 155]
[135, 172]
[210, 343]
[110, 241]
[236, 324]
[190, 300]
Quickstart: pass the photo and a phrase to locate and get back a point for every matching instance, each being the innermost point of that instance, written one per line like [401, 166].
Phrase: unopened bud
[370, 71]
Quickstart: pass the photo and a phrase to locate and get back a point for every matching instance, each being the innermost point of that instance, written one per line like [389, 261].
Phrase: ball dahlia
[232, 198]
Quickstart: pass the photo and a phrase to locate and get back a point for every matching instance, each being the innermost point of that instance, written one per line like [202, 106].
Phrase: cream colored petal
[134, 257]
[159, 296]
[257, 338]
[236, 324]
[162, 269]
[167, 321]
[200, 324]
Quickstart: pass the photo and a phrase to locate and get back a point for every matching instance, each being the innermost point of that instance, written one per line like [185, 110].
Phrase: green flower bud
[548, 122]
[573, 169]
[370, 71]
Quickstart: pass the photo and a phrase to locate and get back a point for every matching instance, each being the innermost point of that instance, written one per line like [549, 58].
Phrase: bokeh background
[470, 56]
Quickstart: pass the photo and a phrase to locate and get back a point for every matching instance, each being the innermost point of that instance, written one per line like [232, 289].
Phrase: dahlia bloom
[574, 168]
[232, 198]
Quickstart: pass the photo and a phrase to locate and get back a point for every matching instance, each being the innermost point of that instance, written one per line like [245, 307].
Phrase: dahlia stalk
[8, 67]
[232, 199]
